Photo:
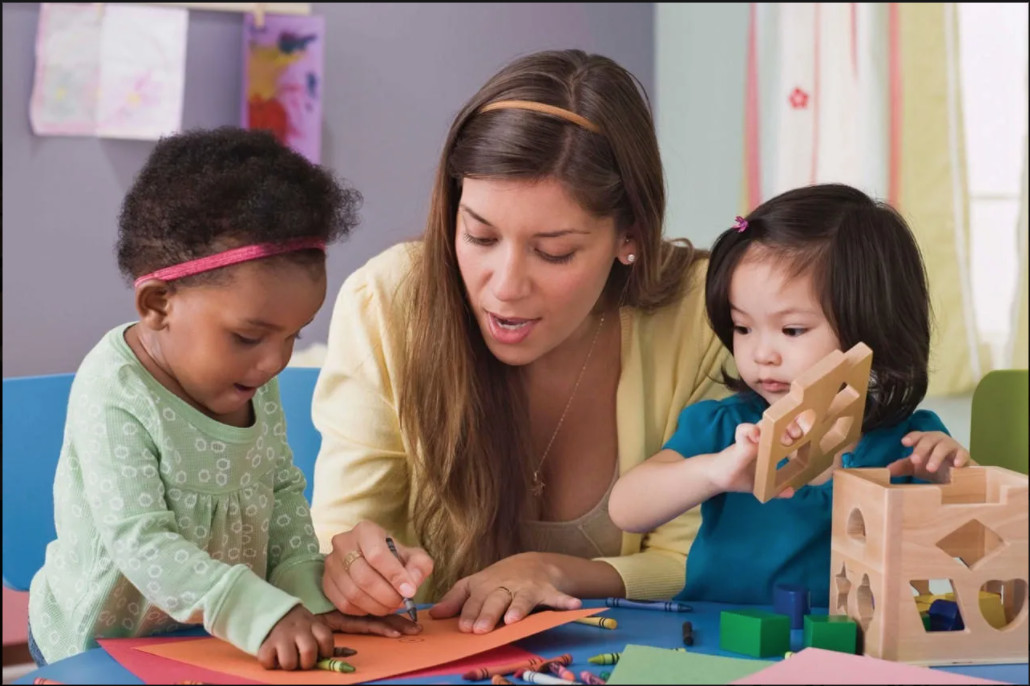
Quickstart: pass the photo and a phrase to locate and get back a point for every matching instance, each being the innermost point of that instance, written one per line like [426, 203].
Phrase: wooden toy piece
[990, 606]
[832, 396]
[945, 616]
[754, 632]
[971, 531]
[831, 632]
[688, 634]
[793, 600]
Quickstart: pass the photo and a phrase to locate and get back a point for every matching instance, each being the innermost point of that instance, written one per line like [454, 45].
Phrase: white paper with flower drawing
[115, 72]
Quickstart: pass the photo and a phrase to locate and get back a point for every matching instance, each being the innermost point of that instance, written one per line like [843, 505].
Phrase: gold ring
[350, 558]
[511, 596]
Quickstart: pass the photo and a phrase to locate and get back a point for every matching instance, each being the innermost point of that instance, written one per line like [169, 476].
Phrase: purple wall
[395, 76]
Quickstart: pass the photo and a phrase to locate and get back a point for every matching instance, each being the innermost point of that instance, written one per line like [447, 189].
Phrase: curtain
[868, 94]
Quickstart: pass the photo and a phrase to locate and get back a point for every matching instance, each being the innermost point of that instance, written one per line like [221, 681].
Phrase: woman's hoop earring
[631, 258]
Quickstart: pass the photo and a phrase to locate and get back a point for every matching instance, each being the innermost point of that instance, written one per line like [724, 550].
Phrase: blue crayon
[658, 605]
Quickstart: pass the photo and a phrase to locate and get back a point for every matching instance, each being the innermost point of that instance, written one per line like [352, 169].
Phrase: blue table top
[641, 627]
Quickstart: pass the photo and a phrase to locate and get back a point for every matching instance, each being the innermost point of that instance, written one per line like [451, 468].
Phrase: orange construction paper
[378, 657]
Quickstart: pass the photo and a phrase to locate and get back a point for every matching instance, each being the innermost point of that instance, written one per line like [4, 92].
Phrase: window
[993, 69]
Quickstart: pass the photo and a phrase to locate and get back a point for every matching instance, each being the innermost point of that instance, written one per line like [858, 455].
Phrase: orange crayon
[498, 679]
[44, 680]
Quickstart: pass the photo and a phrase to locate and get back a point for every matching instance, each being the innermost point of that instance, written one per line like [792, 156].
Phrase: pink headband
[234, 256]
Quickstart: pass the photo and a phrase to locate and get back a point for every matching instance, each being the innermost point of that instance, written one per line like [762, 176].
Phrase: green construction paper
[647, 665]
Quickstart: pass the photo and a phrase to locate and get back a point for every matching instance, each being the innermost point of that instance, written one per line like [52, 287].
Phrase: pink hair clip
[740, 224]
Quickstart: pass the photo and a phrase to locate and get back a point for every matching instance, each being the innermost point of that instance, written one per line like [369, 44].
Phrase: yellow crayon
[605, 659]
[788, 654]
[603, 622]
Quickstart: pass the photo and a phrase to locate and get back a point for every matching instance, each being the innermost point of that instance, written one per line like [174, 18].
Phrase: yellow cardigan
[670, 358]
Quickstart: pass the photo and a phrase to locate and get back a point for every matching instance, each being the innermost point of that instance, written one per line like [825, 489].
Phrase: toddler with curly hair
[176, 498]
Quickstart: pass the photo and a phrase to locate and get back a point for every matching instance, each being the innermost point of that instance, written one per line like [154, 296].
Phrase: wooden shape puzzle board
[833, 392]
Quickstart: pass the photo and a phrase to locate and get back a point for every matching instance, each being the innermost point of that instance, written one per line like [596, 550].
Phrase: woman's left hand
[510, 588]
[934, 454]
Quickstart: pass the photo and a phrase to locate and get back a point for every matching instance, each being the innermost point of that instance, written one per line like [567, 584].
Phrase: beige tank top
[590, 535]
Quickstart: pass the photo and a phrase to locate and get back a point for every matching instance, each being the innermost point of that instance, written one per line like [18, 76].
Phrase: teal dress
[744, 548]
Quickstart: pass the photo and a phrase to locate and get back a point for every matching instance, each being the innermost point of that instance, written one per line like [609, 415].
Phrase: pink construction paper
[817, 666]
[153, 669]
[505, 655]
[160, 670]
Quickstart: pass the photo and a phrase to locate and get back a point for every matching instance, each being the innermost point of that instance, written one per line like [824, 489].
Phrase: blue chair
[33, 428]
[35, 408]
[296, 388]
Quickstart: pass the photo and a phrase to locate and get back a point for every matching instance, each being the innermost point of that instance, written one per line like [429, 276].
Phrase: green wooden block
[754, 632]
[831, 632]
[925, 616]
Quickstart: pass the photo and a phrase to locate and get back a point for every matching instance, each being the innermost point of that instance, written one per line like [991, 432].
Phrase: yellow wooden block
[993, 612]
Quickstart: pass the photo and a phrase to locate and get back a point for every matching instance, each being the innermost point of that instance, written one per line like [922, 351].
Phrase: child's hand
[735, 468]
[389, 625]
[297, 640]
[934, 453]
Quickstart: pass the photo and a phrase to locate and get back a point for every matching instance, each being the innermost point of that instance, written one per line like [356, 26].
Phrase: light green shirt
[166, 517]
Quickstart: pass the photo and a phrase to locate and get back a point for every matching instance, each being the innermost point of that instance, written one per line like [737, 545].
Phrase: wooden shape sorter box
[889, 540]
[831, 397]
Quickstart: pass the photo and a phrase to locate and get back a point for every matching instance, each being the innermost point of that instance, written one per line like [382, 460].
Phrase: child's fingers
[941, 452]
[786, 493]
[961, 459]
[308, 648]
[911, 438]
[287, 654]
[923, 448]
[324, 637]
[267, 655]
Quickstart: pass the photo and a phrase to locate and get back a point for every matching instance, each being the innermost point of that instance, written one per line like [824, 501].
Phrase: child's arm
[666, 485]
[294, 561]
[126, 496]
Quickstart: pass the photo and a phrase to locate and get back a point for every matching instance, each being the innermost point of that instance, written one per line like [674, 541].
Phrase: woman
[485, 386]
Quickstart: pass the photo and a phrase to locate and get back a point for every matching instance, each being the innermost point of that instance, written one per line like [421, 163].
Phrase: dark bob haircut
[867, 272]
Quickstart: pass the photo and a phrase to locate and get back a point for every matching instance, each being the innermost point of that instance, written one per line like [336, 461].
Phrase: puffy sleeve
[361, 472]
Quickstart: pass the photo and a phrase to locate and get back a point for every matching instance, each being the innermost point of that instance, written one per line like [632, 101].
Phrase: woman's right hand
[362, 576]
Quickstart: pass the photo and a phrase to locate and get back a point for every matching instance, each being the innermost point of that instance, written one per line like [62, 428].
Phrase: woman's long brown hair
[463, 411]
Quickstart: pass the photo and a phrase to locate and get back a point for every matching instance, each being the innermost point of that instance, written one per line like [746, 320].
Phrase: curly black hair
[208, 190]
[868, 272]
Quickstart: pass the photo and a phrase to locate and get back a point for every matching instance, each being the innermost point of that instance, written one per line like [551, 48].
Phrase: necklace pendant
[538, 485]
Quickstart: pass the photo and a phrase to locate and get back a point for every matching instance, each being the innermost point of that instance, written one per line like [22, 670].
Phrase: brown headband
[546, 109]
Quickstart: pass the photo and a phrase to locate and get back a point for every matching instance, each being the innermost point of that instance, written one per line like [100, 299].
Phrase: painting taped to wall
[282, 87]
[116, 71]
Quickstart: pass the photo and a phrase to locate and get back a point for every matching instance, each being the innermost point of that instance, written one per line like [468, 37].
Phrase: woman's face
[534, 263]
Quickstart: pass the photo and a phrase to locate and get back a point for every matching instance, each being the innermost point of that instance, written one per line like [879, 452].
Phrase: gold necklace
[538, 484]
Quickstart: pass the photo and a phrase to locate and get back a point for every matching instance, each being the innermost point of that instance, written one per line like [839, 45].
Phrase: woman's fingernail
[407, 590]
[394, 633]
[481, 626]
[416, 576]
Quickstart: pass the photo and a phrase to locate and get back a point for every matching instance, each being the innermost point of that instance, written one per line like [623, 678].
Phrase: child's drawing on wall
[284, 61]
